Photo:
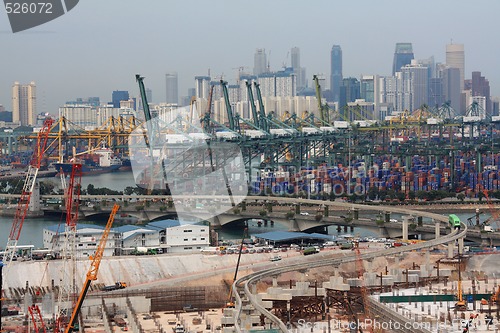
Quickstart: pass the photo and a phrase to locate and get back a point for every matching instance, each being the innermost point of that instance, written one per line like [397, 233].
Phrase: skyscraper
[336, 72]
[117, 96]
[259, 62]
[24, 104]
[481, 87]
[349, 91]
[299, 71]
[455, 57]
[451, 87]
[172, 94]
[415, 86]
[403, 55]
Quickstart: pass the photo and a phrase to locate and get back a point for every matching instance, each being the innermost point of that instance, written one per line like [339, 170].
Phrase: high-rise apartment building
[403, 55]
[455, 57]
[260, 62]
[172, 88]
[336, 72]
[24, 104]
[202, 86]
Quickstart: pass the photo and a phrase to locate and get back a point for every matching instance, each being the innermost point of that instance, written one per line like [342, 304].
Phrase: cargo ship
[100, 161]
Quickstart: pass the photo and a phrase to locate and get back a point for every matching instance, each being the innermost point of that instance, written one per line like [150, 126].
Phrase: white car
[393, 221]
[304, 213]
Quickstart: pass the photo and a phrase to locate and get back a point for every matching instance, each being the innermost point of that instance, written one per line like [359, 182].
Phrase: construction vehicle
[92, 272]
[118, 285]
[461, 304]
[494, 298]
[29, 184]
[230, 302]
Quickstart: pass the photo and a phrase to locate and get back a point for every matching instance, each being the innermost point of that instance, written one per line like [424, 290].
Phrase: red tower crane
[72, 193]
[36, 317]
[29, 184]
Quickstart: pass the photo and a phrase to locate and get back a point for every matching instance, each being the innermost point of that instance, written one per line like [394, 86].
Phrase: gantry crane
[229, 110]
[92, 272]
[29, 184]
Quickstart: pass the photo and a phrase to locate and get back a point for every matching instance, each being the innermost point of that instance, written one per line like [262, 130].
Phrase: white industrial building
[168, 235]
[175, 238]
[87, 238]
[129, 237]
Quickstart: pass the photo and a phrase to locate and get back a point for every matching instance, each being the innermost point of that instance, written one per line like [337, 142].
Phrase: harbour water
[32, 231]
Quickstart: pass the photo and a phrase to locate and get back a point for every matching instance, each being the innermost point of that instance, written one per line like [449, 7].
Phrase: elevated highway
[242, 287]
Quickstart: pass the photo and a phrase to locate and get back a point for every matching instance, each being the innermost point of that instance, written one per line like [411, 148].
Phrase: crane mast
[93, 270]
[29, 184]
[68, 273]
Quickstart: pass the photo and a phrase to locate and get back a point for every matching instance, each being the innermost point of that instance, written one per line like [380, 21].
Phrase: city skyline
[95, 65]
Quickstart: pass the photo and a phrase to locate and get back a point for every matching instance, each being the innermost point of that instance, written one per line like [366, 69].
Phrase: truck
[116, 286]
[310, 250]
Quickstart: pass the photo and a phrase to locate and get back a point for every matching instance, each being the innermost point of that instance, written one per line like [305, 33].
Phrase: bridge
[287, 211]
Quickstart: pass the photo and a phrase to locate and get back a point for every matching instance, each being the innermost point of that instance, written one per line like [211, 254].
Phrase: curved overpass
[242, 285]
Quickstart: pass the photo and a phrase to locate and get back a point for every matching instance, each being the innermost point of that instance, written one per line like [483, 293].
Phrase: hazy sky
[100, 45]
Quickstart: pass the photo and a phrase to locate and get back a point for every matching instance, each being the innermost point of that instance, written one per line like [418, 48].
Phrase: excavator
[230, 302]
[494, 298]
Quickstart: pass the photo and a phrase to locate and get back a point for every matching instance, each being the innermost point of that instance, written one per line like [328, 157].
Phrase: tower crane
[36, 317]
[92, 272]
[69, 250]
[29, 184]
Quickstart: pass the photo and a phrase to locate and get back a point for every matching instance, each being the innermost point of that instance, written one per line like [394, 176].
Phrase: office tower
[451, 86]
[172, 95]
[436, 93]
[300, 72]
[415, 86]
[149, 95]
[259, 62]
[24, 104]
[403, 55]
[336, 72]
[349, 92]
[118, 96]
[455, 57]
[202, 86]
[481, 87]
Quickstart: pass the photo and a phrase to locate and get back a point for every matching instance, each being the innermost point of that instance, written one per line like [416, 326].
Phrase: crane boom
[29, 184]
[252, 104]
[262, 112]
[152, 126]
[92, 272]
[229, 109]
[323, 109]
